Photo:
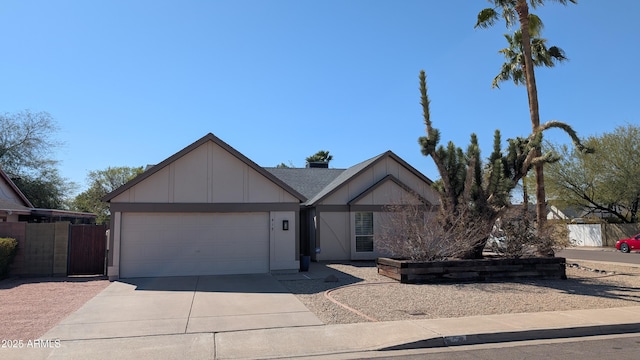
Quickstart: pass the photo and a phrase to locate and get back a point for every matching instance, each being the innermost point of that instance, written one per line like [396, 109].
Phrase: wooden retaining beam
[409, 272]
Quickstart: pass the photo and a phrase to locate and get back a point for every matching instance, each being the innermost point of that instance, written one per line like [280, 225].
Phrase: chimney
[317, 164]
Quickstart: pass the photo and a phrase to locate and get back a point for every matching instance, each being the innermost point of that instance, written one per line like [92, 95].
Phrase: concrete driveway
[182, 305]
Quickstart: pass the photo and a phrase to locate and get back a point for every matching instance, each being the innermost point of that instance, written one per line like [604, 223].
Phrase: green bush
[8, 248]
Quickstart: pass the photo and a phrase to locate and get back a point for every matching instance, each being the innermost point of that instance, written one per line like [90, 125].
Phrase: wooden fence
[56, 249]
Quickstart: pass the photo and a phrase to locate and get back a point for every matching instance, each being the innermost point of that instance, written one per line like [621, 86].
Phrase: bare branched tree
[515, 235]
[26, 141]
[414, 231]
[27, 145]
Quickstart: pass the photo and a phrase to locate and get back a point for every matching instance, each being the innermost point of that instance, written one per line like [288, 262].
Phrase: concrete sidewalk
[397, 335]
[204, 318]
[332, 341]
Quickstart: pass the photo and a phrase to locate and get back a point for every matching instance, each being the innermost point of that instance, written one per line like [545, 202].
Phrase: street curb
[578, 261]
[542, 334]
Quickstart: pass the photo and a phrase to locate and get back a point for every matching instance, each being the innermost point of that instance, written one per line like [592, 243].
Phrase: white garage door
[178, 244]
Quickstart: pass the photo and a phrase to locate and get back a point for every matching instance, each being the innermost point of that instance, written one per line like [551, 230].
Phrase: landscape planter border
[494, 269]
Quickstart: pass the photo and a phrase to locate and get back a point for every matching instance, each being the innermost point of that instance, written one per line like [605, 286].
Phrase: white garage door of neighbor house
[182, 244]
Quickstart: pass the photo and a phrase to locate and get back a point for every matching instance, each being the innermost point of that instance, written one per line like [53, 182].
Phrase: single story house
[557, 213]
[209, 210]
[13, 203]
[577, 214]
[15, 207]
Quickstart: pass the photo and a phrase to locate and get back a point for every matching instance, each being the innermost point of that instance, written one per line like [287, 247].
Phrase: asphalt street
[601, 254]
[619, 347]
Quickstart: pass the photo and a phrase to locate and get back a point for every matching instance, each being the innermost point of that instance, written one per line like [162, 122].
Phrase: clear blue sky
[132, 82]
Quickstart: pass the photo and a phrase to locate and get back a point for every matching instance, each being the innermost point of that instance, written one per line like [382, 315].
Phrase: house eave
[54, 212]
[15, 211]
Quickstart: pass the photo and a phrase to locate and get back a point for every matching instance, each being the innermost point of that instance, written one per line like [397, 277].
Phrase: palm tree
[513, 11]
[513, 68]
[321, 156]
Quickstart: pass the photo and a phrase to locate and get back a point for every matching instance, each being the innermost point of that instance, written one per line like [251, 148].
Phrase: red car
[626, 245]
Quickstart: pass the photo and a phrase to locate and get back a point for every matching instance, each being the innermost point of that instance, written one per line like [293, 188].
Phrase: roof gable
[392, 190]
[10, 194]
[164, 167]
[351, 173]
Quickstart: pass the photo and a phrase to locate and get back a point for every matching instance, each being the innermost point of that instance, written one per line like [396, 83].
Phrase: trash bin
[305, 260]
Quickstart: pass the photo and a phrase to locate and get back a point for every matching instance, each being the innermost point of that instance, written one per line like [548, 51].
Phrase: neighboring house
[15, 207]
[210, 210]
[13, 203]
[567, 213]
[577, 214]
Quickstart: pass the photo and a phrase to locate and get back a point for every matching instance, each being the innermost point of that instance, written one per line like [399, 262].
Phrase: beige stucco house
[345, 208]
[205, 210]
[209, 210]
[13, 203]
[15, 207]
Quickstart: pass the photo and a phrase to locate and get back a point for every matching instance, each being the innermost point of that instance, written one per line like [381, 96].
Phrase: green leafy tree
[103, 182]
[607, 181]
[46, 190]
[285, 166]
[26, 143]
[514, 12]
[320, 156]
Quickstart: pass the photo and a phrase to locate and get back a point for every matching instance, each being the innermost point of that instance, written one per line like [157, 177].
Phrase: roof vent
[318, 164]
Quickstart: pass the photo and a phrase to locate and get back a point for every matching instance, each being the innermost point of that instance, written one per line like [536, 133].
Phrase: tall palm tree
[517, 11]
[513, 68]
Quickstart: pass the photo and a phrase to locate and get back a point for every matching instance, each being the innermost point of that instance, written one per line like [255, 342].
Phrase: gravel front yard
[372, 297]
[32, 306]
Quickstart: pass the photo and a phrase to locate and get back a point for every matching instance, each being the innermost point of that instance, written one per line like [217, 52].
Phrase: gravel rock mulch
[359, 287]
[32, 306]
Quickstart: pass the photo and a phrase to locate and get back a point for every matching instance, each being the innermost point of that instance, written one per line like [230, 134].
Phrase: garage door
[178, 244]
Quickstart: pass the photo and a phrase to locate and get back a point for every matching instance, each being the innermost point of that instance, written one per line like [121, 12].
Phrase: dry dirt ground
[32, 306]
[362, 295]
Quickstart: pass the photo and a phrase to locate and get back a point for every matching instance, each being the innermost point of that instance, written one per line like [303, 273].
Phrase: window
[364, 232]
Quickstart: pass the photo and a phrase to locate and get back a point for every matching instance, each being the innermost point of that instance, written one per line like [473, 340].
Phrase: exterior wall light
[285, 224]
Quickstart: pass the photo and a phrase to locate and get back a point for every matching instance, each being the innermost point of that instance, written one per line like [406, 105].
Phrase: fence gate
[87, 249]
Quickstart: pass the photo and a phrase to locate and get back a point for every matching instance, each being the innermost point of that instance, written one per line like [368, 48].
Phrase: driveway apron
[180, 305]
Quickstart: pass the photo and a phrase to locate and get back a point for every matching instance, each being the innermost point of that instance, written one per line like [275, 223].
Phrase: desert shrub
[8, 248]
[553, 237]
[419, 232]
[515, 235]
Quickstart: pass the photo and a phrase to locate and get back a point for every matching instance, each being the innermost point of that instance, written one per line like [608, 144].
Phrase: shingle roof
[315, 183]
[343, 178]
[307, 181]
